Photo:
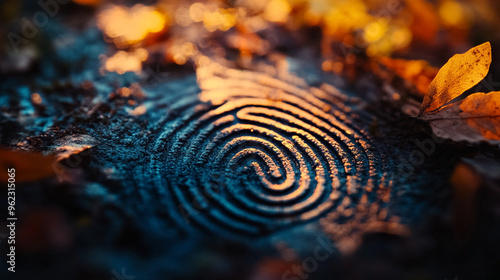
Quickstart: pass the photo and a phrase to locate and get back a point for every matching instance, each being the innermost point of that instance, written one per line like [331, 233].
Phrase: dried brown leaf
[459, 74]
[474, 119]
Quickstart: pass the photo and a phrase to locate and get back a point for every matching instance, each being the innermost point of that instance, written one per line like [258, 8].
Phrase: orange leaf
[28, 166]
[459, 74]
[474, 119]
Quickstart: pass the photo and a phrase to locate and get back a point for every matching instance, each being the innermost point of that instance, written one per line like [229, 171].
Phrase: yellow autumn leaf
[459, 74]
[474, 119]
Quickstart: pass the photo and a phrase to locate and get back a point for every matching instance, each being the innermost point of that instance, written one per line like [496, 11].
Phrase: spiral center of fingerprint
[252, 153]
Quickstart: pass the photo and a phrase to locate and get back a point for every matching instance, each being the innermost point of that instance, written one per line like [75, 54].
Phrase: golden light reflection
[181, 52]
[452, 13]
[345, 16]
[123, 61]
[221, 19]
[196, 12]
[182, 16]
[128, 26]
[374, 28]
[277, 11]
[212, 17]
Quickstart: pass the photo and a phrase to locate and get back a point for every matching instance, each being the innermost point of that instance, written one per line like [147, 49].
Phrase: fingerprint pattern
[253, 153]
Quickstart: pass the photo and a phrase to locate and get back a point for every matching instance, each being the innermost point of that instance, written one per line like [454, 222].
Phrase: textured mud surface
[229, 173]
[260, 163]
[261, 154]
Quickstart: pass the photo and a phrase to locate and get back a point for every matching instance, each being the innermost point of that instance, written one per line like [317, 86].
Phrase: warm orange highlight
[128, 26]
